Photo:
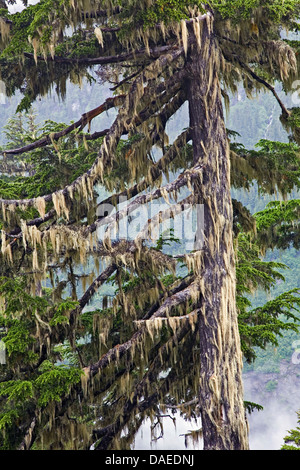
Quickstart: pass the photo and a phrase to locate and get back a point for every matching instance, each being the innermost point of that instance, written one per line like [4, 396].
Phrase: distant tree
[105, 364]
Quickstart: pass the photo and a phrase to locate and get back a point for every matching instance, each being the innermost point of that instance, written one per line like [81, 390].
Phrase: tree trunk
[221, 390]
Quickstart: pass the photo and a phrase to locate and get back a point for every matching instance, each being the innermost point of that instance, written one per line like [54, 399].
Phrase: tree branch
[108, 433]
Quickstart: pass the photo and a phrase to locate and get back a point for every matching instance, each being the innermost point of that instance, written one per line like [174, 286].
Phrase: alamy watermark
[150, 221]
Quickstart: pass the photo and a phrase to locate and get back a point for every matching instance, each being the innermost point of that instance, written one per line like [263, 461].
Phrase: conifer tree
[159, 56]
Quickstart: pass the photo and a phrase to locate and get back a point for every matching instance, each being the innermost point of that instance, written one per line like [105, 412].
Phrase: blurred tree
[156, 57]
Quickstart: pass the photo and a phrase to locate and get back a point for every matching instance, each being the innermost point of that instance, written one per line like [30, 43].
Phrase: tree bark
[221, 390]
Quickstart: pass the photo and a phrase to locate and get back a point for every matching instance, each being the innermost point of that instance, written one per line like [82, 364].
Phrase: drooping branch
[85, 119]
[33, 222]
[168, 319]
[123, 122]
[154, 172]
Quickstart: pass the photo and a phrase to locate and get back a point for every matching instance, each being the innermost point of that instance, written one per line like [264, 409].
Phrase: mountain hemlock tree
[159, 55]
